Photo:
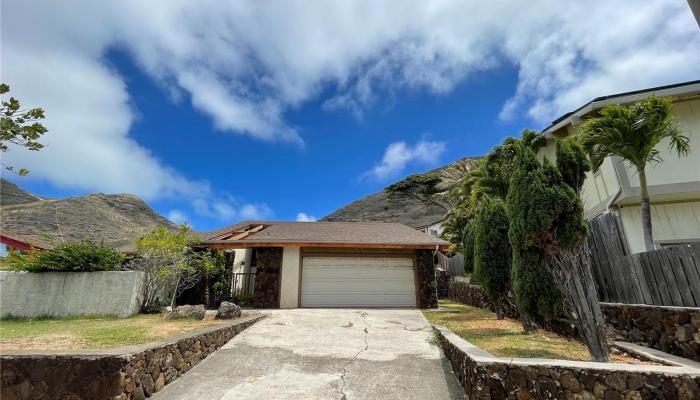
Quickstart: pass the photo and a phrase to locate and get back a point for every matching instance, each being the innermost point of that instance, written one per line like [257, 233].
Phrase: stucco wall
[289, 291]
[672, 222]
[28, 294]
[674, 169]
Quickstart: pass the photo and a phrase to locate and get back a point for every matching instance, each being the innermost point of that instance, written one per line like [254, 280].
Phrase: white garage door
[357, 282]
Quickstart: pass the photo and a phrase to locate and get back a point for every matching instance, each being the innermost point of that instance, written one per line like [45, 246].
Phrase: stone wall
[425, 266]
[59, 294]
[474, 295]
[484, 376]
[134, 372]
[675, 330]
[267, 277]
[443, 283]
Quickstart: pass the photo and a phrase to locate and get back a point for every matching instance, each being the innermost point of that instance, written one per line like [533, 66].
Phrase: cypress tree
[492, 253]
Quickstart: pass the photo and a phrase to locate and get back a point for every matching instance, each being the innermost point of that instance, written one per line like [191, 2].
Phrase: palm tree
[632, 133]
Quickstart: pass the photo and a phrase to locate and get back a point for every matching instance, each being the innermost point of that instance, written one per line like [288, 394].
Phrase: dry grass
[504, 338]
[91, 332]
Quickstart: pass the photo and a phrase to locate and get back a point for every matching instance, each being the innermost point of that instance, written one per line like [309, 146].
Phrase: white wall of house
[434, 229]
[671, 222]
[289, 287]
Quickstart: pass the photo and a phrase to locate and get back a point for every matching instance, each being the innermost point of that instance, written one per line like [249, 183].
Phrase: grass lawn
[91, 332]
[504, 338]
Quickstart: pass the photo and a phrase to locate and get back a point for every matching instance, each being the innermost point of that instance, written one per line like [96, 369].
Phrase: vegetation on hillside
[83, 256]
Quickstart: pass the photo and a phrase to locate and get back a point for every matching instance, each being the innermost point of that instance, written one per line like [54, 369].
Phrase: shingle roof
[326, 233]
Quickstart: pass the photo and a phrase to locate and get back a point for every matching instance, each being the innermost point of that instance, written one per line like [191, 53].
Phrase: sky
[219, 111]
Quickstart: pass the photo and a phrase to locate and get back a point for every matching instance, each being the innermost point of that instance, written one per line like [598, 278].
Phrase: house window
[433, 232]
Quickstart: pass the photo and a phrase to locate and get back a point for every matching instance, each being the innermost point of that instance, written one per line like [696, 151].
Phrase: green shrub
[468, 247]
[492, 253]
[532, 201]
[76, 257]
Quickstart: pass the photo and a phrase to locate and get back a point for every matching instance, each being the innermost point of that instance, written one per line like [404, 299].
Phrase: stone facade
[425, 266]
[267, 277]
[484, 376]
[675, 330]
[134, 372]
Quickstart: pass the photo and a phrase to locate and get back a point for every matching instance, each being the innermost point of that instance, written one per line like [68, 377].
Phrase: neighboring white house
[433, 228]
[674, 185]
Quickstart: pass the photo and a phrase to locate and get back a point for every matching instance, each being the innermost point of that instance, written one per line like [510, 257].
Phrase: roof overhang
[574, 118]
[239, 244]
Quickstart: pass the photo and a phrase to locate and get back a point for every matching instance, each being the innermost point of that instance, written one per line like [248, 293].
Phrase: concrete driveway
[325, 354]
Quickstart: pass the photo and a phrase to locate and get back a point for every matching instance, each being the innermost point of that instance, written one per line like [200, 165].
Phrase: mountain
[116, 220]
[11, 194]
[406, 210]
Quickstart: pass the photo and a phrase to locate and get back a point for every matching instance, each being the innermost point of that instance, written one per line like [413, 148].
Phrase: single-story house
[333, 264]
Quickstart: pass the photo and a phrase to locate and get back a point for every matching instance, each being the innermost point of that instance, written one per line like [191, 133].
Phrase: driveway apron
[325, 354]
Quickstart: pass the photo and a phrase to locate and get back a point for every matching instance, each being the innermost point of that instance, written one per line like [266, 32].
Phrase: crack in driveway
[343, 396]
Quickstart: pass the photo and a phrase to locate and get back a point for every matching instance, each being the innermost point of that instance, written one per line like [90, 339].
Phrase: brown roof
[322, 233]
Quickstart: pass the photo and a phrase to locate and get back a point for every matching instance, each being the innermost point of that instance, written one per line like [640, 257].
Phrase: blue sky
[225, 112]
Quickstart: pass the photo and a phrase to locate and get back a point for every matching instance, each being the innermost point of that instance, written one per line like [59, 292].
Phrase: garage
[327, 264]
[358, 281]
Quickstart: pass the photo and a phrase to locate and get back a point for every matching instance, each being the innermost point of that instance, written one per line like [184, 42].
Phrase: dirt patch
[57, 341]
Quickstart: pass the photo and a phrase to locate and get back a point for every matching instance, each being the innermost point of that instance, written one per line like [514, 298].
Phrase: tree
[421, 187]
[468, 247]
[162, 256]
[209, 264]
[19, 127]
[528, 206]
[492, 252]
[633, 134]
[548, 233]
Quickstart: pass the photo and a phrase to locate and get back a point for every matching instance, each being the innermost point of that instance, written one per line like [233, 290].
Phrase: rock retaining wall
[474, 295]
[484, 376]
[675, 330]
[134, 372]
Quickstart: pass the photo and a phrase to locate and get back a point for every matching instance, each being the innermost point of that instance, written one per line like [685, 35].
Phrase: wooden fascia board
[243, 245]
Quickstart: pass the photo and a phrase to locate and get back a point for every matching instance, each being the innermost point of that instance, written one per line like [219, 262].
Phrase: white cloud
[303, 217]
[399, 154]
[245, 64]
[256, 211]
[228, 208]
[177, 216]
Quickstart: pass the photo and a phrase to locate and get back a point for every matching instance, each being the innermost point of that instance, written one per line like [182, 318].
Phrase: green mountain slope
[378, 207]
[117, 220]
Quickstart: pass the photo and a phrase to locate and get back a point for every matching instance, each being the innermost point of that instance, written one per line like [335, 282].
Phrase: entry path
[325, 354]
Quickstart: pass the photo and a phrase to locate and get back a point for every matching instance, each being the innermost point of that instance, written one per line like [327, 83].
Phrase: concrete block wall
[59, 294]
